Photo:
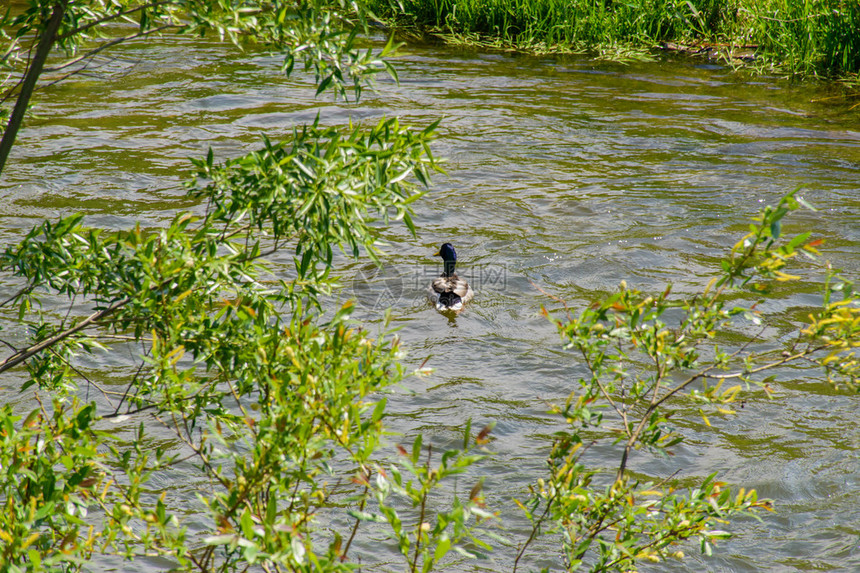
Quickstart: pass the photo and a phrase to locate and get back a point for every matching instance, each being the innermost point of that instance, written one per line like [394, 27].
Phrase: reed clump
[803, 37]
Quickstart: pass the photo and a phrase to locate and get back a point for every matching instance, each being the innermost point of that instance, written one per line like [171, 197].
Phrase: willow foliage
[277, 409]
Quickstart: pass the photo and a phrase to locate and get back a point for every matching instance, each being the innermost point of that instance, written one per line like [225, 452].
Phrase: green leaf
[775, 228]
[246, 522]
[407, 218]
[367, 516]
[806, 204]
[379, 410]
[416, 448]
[230, 539]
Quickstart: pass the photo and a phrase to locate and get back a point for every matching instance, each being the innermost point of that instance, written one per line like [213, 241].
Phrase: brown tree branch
[49, 36]
[23, 355]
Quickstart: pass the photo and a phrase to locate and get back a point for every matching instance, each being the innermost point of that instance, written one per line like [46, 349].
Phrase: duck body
[449, 292]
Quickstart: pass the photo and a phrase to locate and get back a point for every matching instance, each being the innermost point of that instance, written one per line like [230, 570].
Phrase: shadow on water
[562, 173]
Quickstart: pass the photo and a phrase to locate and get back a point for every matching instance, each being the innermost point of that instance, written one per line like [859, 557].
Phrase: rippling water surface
[562, 173]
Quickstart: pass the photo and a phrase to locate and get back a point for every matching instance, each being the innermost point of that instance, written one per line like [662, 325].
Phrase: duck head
[449, 255]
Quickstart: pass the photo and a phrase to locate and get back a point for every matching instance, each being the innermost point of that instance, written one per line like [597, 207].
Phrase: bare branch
[23, 355]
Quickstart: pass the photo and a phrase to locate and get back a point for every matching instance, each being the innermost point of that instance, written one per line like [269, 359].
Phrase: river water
[563, 173]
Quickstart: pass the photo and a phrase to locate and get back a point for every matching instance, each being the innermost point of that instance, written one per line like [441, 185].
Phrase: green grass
[804, 37]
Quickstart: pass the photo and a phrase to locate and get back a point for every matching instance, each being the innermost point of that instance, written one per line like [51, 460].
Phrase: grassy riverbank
[802, 37]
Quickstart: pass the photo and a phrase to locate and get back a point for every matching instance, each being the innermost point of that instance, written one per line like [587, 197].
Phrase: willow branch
[421, 517]
[357, 521]
[534, 532]
[702, 374]
[621, 411]
[77, 371]
[46, 42]
[23, 355]
[101, 21]
[106, 45]
[741, 374]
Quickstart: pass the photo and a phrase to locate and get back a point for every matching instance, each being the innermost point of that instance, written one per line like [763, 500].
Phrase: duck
[449, 292]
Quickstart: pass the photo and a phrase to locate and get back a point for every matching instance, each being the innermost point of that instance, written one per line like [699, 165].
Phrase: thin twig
[357, 521]
[536, 525]
[72, 73]
[23, 355]
[101, 21]
[11, 90]
[133, 379]
[534, 531]
[421, 517]
[23, 290]
[769, 365]
[82, 375]
[197, 451]
[9, 345]
[106, 45]
[552, 296]
[621, 411]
